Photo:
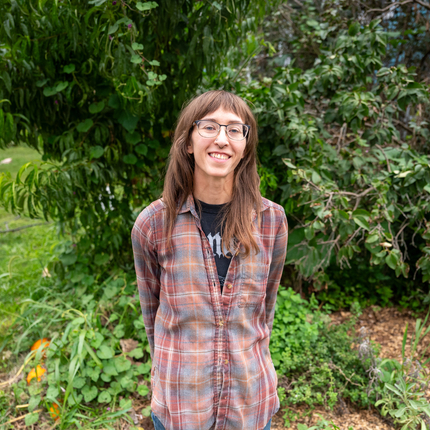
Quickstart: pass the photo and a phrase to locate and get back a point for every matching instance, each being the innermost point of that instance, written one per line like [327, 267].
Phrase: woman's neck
[215, 191]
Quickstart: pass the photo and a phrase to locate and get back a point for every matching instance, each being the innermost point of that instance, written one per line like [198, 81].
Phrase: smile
[219, 156]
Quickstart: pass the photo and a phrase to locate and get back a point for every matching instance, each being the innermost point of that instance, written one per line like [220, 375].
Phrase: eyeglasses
[208, 128]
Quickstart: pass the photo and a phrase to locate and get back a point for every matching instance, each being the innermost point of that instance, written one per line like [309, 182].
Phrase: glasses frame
[197, 122]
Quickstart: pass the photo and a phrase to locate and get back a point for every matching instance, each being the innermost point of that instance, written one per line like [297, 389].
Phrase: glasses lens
[236, 131]
[208, 128]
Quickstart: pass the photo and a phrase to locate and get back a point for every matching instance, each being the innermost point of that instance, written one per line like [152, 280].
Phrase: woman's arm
[147, 272]
[276, 268]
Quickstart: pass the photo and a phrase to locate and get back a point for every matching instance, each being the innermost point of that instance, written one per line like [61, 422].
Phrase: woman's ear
[190, 148]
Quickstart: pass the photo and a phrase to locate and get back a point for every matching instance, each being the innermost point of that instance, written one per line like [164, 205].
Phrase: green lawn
[20, 155]
[25, 253]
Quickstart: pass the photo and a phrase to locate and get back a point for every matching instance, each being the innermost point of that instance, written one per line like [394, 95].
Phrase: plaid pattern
[211, 363]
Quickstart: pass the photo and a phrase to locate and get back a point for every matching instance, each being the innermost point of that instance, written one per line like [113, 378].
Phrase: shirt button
[221, 323]
[226, 361]
[229, 286]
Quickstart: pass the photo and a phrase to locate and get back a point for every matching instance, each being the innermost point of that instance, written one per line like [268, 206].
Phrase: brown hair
[178, 184]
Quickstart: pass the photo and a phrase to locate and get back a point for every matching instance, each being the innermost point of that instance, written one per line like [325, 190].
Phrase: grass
[20, 155]
[25, 253]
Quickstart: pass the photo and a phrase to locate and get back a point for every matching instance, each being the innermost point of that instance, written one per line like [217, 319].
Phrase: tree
[96, 87]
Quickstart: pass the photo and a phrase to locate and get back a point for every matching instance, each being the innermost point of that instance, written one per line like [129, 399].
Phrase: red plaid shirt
[210, 352]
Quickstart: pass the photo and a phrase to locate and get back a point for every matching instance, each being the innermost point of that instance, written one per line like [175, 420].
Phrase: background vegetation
[341, 92]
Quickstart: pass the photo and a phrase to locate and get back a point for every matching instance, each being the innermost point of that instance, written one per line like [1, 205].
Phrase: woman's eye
[234, 130]
[209, 127]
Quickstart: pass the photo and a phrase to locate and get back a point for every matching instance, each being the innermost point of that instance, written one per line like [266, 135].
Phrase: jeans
[159, 426]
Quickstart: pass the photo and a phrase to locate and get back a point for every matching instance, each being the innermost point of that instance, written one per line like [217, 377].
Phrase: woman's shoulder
[272, 206]
[152, 212]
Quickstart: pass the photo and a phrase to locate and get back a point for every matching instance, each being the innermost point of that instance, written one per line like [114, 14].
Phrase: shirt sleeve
[276, 268]
[147, 273]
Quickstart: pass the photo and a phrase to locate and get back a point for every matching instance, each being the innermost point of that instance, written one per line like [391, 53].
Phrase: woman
[209, 257]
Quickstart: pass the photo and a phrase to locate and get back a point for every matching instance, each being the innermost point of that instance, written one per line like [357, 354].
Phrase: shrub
[314, 360]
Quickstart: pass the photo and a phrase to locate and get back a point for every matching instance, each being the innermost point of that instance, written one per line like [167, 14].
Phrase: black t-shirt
[210, 224]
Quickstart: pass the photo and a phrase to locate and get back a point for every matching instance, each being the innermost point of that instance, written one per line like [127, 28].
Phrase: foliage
[298, 29]
[352, 184]
[322, 424]
[96, 87]
[314, 361]
[98, 353]
[402, 386]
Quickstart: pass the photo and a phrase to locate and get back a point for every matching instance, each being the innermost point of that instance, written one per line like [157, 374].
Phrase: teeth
[220, 156]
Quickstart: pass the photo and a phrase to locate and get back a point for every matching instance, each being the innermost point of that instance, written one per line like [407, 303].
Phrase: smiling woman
[209, 257]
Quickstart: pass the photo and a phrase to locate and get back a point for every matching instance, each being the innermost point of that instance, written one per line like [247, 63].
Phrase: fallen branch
[22, 228]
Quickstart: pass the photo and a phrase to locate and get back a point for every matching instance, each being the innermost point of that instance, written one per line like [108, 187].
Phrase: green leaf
[125, 404]
[32, 404]
[137, 46]
[68, 259]
[93, 373]
[113, 28]
[90, 393]
[31, 419]
[122, 364]
[78, 382]
[70, 68]
[133, 138]
[146, 6]
[141, 149]
[61, 86]
[392, 259]
[105, 352]
[136, 59]
[154, 63]
[84, 126]
[312, 23]
[49, 91]
[136, 353]
[143, 390]
[109, 368]
[118, 331]
[96, 107]
[96, 152]
[130, 159]
[52, 392]
[128, 121]
[372, 238]
[101, 259]
[361, 222]
[144, 368]
[104, 397]
[111, 291]
[40, 83]
[354, 28]
[316, 178]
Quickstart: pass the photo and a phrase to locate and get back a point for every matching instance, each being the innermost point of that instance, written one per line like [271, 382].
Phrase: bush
[98, 355]
[314, 360]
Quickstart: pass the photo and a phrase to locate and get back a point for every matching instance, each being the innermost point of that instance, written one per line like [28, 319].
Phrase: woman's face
[216, 157]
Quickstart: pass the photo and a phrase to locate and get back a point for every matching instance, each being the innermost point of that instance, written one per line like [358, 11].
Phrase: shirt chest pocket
[254, 275]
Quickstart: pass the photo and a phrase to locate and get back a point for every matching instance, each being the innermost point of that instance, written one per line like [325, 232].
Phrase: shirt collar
[189, 206]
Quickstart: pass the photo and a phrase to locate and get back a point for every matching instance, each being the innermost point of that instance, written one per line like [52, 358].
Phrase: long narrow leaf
[405, 336]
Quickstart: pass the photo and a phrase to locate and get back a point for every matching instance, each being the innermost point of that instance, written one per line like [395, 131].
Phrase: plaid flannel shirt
[211, 363]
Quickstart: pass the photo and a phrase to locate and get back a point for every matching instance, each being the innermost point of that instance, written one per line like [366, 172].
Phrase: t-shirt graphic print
[210, 224]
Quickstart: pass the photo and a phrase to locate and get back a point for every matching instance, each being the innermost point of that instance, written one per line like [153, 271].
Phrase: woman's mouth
[219, 156]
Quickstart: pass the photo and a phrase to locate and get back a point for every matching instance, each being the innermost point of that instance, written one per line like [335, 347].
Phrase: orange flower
[54, 410]
[36, 345]
[37, 372]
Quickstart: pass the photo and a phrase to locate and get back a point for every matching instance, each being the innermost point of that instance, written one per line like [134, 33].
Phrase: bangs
[211, 101]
